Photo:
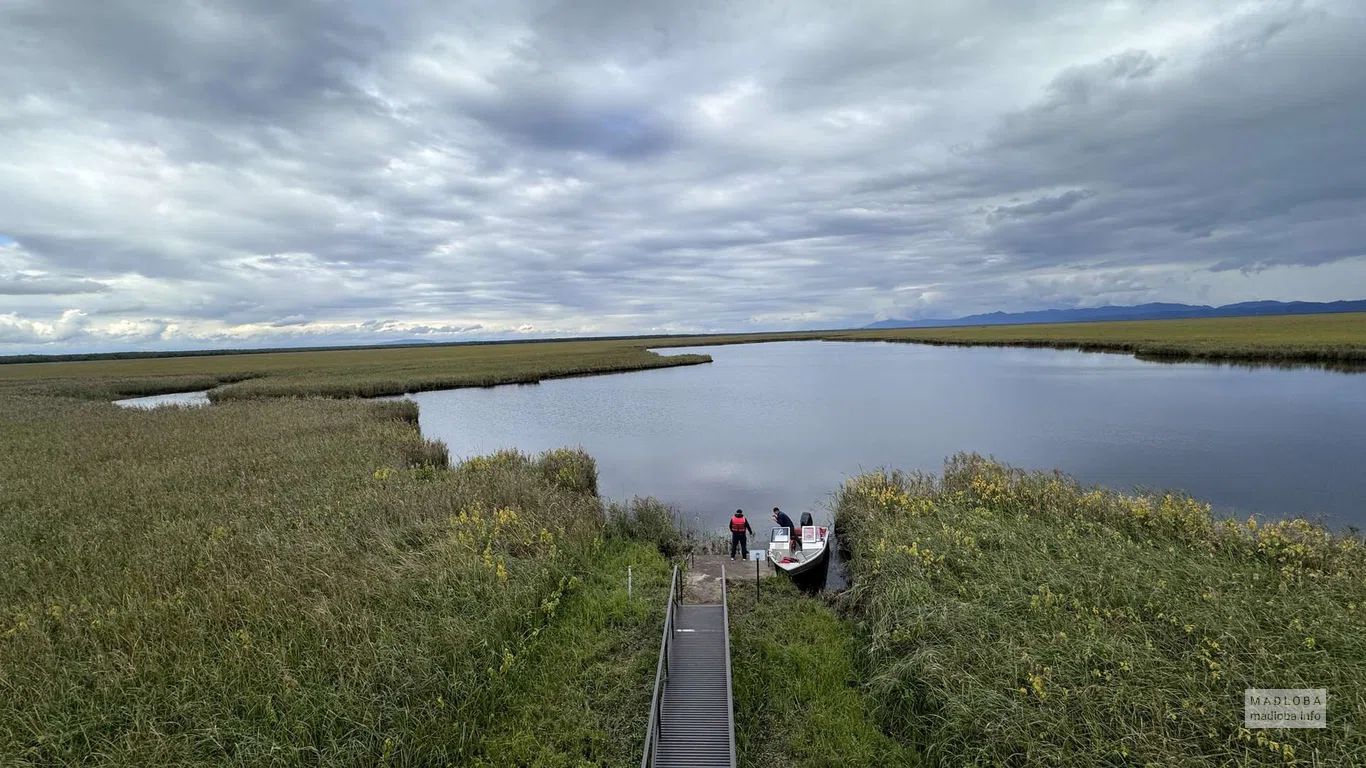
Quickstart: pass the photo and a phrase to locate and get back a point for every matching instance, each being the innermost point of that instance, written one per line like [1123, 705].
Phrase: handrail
[730, 700]
[662, 676]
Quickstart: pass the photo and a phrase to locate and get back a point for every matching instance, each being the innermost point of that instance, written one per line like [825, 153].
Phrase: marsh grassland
[1022, 619]
[278, 582]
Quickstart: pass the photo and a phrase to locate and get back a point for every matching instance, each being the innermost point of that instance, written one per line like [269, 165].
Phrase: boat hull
[812, 562]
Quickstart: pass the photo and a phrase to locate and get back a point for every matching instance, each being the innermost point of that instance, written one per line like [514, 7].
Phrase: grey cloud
[547, 118]
[243, 62]
[1224, 164]
[25, 285]
[1078, 85]
[298, 170]
[1041, 206]
[102, 255]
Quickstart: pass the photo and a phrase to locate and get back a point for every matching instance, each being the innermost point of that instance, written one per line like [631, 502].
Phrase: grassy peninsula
[368, 372]
[1022, 619]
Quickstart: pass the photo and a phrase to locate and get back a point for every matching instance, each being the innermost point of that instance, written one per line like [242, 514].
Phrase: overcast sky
[261, 172]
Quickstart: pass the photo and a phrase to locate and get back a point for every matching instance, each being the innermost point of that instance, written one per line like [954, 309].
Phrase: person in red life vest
[739, 527]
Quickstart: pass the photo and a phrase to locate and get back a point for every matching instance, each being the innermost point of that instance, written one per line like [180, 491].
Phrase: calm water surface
[783, 424]
[175, 398]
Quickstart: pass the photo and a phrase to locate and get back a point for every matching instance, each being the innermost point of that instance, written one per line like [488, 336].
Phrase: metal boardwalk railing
[692, 715]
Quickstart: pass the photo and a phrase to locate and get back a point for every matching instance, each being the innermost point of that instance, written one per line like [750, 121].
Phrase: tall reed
[1023, 619]
[285, 581]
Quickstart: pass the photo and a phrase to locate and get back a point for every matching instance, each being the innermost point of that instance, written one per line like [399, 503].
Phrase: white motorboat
[808, 553]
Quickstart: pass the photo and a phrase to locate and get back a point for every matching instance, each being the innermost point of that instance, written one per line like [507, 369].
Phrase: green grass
[275, 583]
[579, 695]
[796, 682]
[1021, 619]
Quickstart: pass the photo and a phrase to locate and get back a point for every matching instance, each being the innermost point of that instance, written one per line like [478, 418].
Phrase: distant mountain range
[1139, 312]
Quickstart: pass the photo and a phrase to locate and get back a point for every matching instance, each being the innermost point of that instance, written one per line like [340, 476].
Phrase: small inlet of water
[175, 398]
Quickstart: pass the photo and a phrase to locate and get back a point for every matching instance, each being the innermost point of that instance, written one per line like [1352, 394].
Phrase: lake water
[784, 424]
[175, 398]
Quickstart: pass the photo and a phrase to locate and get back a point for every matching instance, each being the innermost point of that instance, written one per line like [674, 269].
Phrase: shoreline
[1331, 339]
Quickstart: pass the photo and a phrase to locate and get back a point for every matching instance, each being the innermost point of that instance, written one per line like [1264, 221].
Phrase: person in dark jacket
[780, 517]
[782, 520]
[739, 527]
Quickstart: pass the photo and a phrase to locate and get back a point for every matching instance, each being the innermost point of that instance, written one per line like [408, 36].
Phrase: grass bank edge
[1021, 618]
[365, 373]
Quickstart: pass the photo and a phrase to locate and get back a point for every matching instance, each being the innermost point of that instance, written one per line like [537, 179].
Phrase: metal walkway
[692, 721]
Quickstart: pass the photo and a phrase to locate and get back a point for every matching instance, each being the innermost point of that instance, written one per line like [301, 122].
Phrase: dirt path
[704, 577]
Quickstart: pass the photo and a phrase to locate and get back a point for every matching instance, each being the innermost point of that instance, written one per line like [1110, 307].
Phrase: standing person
[739, 527]
[780, 517]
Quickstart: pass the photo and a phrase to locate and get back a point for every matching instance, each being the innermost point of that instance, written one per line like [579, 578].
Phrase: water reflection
[784, 424]
[1254, 365]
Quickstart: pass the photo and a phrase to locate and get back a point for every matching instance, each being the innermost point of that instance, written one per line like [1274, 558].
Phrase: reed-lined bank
[279, 582]
[1022, 619]
[334, 373]
[1338, 339]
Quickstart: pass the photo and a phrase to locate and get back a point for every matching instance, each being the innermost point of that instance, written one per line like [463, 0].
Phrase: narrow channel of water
[174, 398]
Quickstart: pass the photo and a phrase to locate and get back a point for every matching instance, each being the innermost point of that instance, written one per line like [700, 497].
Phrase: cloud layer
[250, 172]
